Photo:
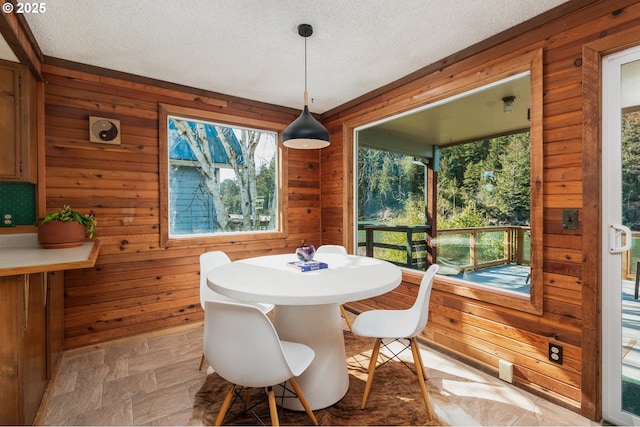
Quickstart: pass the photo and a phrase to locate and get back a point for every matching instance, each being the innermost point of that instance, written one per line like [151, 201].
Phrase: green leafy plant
[67, 214]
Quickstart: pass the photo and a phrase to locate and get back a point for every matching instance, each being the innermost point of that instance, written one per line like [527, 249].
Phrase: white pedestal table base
[326, 380]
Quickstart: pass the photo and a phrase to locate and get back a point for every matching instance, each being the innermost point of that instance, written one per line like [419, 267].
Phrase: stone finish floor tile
[160, 403]
[179, 372]
[127, 387]
[151, 360]
[152, 380]
[65, 383]
[118, 414]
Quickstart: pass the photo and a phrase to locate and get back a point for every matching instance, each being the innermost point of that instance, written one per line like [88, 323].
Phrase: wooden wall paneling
[138, 286]
[332, 198]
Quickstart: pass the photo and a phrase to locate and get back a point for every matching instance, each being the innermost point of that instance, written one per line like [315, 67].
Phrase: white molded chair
[336, 249]
[397, 325]
[243, 347]
[208, 261]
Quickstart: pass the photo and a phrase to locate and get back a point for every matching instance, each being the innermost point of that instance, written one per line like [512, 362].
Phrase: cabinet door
[18, 123]
[23, 351]
[34, 354]
[11, 327]
[10, 146]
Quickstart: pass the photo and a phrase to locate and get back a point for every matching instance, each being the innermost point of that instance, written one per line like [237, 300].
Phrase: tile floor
[152, 380]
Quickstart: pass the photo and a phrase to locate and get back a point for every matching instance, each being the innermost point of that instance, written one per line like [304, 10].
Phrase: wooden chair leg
[303, 400]
[246, 397]
[273, 409]
[202, 359]
[424, 369]
[225, 405]
[372, 368]
[346, 318]
[420, 371]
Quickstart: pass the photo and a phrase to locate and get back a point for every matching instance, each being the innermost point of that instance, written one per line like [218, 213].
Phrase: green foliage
[631, 170]
[230, 196]
[469, 217]
[413, 212]
[491, 176]
[385, 181]
[490, 246]
[67, 214]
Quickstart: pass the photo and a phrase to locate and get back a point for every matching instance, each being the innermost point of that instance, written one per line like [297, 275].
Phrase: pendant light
[305, 132]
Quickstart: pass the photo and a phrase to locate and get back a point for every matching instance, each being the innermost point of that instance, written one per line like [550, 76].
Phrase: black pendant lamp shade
[305, 132]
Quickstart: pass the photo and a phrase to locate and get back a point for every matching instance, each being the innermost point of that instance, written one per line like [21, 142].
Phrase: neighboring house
[193, 210]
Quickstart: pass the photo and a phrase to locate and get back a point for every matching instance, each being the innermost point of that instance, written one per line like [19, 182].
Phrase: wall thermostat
[104, 131]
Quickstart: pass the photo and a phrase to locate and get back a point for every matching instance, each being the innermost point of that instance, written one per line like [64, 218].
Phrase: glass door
[621, 237]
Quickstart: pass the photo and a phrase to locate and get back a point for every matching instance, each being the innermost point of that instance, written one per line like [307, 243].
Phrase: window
[219, 178]
[484, 212]
[456, 180]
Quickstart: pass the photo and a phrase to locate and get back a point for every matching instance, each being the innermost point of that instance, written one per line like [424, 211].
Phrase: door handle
[615, 238]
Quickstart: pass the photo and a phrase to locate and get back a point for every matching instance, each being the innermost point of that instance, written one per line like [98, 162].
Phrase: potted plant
[65, 228]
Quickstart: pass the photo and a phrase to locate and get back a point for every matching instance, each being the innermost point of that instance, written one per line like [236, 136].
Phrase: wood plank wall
[478, 332]
[137, 285]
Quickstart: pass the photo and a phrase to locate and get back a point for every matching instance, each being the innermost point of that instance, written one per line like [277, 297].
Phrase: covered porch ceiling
[467, 117]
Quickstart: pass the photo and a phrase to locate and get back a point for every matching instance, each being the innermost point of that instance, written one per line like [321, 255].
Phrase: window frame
[166, 240]
[432, 92]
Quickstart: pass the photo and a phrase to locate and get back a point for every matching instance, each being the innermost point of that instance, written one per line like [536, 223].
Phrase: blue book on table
[308, 265]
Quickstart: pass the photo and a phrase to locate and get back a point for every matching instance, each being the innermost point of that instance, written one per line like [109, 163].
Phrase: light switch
[570, 219]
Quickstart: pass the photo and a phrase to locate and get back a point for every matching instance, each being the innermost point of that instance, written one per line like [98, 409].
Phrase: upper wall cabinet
[18, 126]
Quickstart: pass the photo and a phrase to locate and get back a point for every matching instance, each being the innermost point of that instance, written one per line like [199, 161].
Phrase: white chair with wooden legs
[398, 325]
[243, 347]
[336, 249]
[208, 261]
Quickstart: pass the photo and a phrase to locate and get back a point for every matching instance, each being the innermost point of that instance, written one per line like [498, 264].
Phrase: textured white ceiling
[251, 48]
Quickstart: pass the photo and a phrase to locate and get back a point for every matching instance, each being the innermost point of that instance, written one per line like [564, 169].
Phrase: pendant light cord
[306, 96]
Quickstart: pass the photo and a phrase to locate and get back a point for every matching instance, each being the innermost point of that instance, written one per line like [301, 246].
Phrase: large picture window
[221, 179]
[456, 179]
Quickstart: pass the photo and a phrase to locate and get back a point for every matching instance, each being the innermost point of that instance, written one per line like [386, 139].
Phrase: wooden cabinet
[31, 316]
[18, 124]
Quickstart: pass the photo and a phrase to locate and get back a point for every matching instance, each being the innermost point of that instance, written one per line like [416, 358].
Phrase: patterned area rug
[395, 397]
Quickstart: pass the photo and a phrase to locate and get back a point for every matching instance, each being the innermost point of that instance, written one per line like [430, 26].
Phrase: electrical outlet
[505, 371]
[7, 220]
[555, 353]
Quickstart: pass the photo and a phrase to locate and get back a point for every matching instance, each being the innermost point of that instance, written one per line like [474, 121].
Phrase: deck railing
[463, 248]
[482, 247]
[411, 240]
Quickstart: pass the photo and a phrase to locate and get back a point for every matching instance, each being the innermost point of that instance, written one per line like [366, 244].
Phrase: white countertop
[21, 253]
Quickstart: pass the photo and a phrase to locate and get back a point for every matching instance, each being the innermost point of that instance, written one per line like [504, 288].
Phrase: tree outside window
[221, 178]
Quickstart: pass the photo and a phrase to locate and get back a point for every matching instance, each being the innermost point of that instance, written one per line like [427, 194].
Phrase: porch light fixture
[508, 103]
[305, 132]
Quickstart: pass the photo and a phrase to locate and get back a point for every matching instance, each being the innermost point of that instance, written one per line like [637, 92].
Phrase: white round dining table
[308, 308]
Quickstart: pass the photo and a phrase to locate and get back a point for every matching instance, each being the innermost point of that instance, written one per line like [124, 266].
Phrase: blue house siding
[192, 206]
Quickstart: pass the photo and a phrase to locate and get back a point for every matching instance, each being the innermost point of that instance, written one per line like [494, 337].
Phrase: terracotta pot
[59, 234]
